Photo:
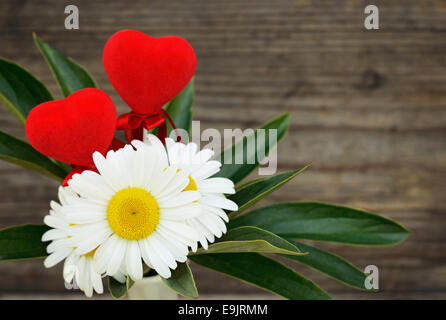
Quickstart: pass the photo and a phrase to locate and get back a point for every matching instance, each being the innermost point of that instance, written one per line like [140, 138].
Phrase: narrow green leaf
[20, 91]
[254, 191]
[69, 75]
[65, 166]
[239, 150]
[330, 264]
[264, 273]
[21, 153]
[23, 242]
[182, 281]
[118, 289]
[324, 222]
[250, 239]
[180, 108]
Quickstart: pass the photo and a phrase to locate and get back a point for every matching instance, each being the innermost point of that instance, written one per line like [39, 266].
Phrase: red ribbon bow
[134, 124]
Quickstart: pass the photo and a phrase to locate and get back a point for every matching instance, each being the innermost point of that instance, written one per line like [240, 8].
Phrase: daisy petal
[217, 185]
[133, 260]
[181, 213]
[181, 199]
[53, 234]
[150, 256]
[208, 169]
[56, 257]
[217, 201]
[117, 257]
[90, 185]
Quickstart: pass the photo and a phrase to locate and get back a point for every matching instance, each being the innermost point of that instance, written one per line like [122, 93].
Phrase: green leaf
[23, 242]
[237, 172]
[252, 192]
[118, 289]
[264, 273]
[21, 153]
[330, 264]
[324, 222]
[69, 75]
[180, 108]
[20, 91]
[250, 239]
[182, 281]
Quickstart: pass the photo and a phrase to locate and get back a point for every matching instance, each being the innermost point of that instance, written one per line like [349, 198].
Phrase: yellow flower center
[192, 186]
[133, 213]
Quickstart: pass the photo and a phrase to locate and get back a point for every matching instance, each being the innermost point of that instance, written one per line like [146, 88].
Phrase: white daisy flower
[80, 268]
[199, 166]
[133, 209]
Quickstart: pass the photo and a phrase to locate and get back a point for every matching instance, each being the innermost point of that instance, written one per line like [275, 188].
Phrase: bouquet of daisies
[149, 203]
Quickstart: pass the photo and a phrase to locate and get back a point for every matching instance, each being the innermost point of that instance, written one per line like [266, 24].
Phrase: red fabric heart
[71, 129]
[148, 72]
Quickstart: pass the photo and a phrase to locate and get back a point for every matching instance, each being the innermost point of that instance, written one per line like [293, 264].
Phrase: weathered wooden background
[368, 110]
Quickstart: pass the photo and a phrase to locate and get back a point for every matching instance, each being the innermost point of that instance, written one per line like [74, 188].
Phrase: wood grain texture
[368, 110]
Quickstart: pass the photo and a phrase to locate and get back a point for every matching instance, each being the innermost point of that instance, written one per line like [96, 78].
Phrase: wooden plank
[368, 110]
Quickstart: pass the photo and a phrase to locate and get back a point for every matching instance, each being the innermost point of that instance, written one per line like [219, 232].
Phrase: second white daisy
[200, 168]
[77, 268]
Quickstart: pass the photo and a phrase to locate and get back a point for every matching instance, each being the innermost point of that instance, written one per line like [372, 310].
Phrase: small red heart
[148, 72]
[71, 129]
